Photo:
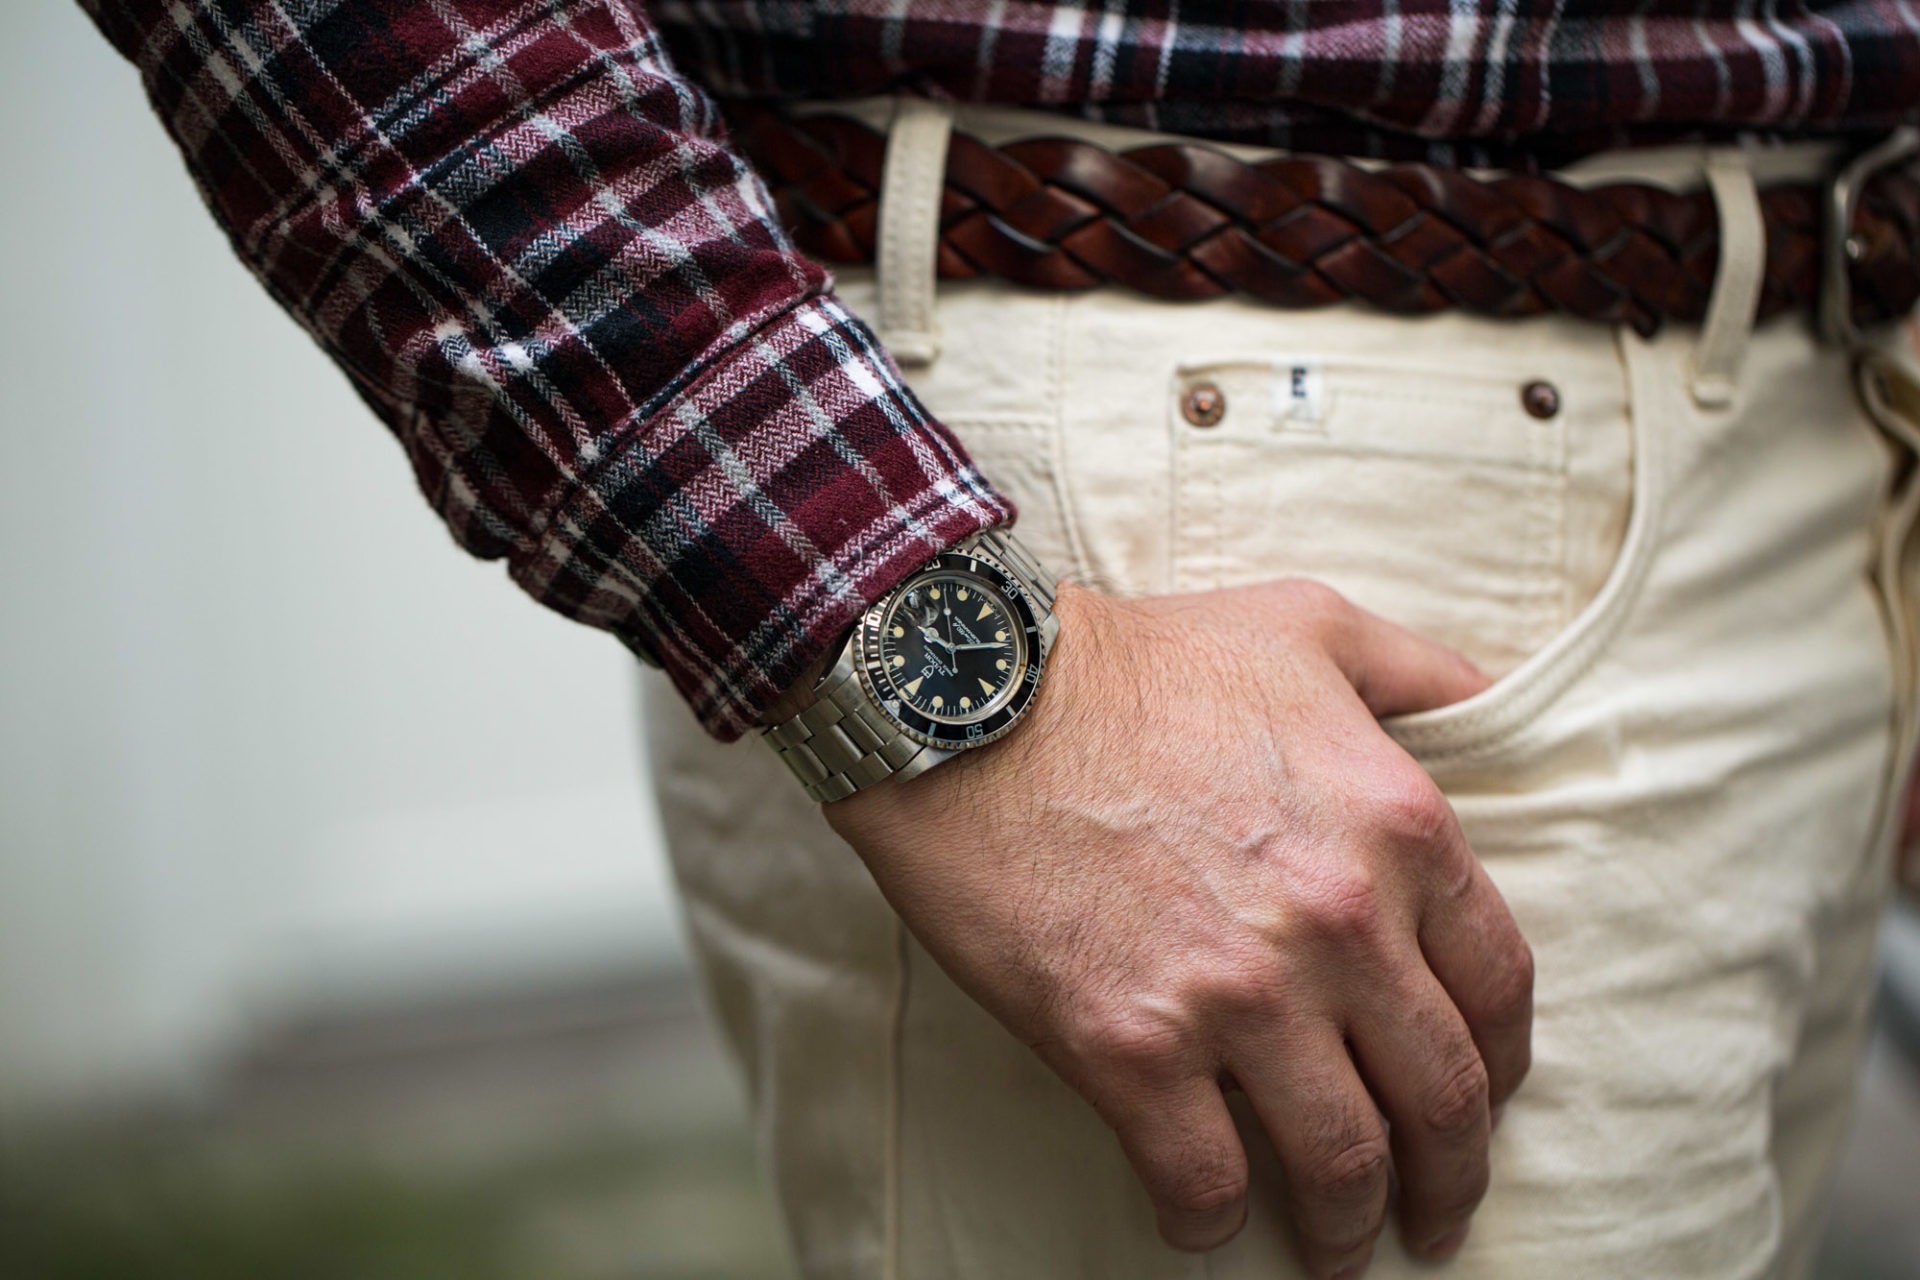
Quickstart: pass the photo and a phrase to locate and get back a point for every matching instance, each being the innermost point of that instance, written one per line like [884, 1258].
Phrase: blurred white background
[268, 739]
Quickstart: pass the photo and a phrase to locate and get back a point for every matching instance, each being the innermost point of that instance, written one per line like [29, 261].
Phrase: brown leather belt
[1185, 221]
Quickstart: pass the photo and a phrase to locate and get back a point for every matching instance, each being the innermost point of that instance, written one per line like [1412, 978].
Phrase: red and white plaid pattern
[522, 236]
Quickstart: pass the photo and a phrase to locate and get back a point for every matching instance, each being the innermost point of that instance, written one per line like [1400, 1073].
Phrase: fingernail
[1448, 1245]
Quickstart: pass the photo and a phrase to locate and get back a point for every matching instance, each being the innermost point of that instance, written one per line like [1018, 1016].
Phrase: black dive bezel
[999, 716]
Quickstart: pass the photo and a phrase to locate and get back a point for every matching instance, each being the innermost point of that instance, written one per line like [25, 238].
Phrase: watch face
[949, 647]
[954, 654]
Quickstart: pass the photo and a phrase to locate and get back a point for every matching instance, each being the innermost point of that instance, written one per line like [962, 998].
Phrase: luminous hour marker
[898, 632]
[961, 594]
[939, 701]
[999, 664]
[934, 592]
[1000, 636]
[965, 703]
[986, 610]
[914, 686]
[899, 660]
[984, 685]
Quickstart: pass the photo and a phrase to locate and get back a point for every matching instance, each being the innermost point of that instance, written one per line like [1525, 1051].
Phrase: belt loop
[1737, 279]
[907, 260]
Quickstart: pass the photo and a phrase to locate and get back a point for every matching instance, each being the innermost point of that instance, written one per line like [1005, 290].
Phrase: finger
[1182, 1145]
[1475, 948]
[1331, 1143]
[1396, 671]
[1420, 1062]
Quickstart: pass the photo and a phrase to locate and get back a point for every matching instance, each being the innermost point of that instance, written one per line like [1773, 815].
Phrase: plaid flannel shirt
[517, 226]
[522, 236]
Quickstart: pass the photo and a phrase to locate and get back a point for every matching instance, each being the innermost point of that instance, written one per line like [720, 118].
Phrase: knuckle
[1314, 609]
[1452, 1203]
[1410, 810]
[1351, 904]
[1459, 1103]
[1137, 1043]
[1312, 596]
[1512, 988]
[1236, 988]
[1465, 1191]
[1207, 1195]
[1352, 1171]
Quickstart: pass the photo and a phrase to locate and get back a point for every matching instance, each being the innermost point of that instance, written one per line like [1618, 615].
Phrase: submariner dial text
[948, 646]
[953, 654]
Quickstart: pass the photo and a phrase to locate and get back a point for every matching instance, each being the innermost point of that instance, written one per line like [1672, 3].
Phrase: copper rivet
[1541, 399]
[1204, 405]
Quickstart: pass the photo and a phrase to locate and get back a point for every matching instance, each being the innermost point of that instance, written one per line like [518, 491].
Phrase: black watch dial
[949, 647]
[954, 655]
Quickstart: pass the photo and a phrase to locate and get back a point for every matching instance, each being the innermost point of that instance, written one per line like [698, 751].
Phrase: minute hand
[982, 644]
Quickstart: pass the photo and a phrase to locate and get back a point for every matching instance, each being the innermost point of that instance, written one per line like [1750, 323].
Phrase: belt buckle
[1838, 247]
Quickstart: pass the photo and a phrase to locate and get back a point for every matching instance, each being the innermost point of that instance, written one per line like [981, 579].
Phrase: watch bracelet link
[1017, 560]
[842, 742]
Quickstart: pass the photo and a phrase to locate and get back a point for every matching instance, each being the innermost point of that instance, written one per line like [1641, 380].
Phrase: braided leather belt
[1186, 221]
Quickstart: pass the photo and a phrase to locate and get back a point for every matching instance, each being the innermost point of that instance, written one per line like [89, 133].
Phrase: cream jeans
[1680, 780]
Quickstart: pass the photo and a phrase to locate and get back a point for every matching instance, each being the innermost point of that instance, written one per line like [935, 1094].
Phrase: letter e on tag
[1299, 395]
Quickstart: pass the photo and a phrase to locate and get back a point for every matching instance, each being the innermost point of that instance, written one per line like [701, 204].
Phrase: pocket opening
[1494, 716]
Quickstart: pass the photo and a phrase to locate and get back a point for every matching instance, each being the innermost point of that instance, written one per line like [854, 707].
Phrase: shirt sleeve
[523, 236]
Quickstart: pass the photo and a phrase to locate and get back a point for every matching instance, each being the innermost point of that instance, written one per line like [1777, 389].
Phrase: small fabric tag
[1299, 392]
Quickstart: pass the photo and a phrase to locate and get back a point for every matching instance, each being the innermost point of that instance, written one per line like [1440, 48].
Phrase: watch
[948, 660]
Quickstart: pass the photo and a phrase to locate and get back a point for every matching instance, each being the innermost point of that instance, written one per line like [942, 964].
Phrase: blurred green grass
[171, 1205]
[590, 1131]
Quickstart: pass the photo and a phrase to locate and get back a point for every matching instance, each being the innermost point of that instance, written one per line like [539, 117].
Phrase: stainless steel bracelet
[1017, 560]
[843, 743]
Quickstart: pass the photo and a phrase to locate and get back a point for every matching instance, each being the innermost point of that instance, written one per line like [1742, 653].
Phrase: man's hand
[1202, 864]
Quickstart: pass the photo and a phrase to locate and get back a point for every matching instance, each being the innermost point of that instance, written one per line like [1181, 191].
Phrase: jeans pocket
[1502, 503]
[1519, 696]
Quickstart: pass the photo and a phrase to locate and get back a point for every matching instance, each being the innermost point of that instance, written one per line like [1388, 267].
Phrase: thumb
[1396, 672]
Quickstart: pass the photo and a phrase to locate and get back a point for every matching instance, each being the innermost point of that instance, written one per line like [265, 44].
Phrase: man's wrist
[902, 693]
[1058, 724]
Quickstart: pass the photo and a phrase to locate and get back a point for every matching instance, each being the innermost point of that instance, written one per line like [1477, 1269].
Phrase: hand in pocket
[1203, 864]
